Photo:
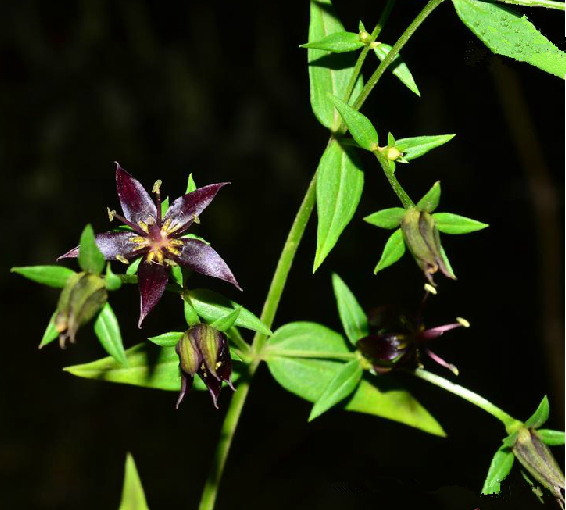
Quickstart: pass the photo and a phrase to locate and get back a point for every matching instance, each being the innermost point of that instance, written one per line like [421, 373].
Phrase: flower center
[159, 240]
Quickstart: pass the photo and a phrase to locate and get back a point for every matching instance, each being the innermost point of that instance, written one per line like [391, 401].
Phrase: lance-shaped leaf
[500, 467]
[191, 315]
[551, 437]
[413, 148]
[133, 497]
[341, 386]
[393, 251]
[212, 306]
[449, 223]
[191, 186]
[386, 218]
[329, 73]
[511, 34]
[308, 377]
[353, 318]
[169, 339]
[399, 68]
[358, 124]
[107, 330]
[133, 267]
[429, 202]
[147, 366]
[90, 257]
[50, 333]
[53, 276]
[540, 416]
[338, 191]
[228, 321]
[338, 42]
[111, 281]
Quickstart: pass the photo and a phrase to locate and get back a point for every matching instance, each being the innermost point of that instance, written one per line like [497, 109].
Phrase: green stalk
[466, 394]
[428, 8]
[346, 356]
[395, 184]
[549, 4]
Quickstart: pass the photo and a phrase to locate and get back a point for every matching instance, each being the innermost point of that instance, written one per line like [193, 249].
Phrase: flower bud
[423, 241]
[537, 459]
[80, 300]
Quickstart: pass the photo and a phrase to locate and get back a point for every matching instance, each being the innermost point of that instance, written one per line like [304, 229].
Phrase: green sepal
[90, 257]
[540, 416]
[344, 382]
[351, 314]
[386, 218]
[52, 276]
[191, 186]
[511, 34]
[107, 330]
[429, 202]
[358, 124]
[112, 280]
[449, 223]
[164, 207]
[169, 339]
[191, 315]
[413, 148]
[338, 42]
[499, 468]
[50, 333]
[225, 323]
[177, 274]
[551, 437]
[399, 68]
[133, 267]
[133, 497]
[393, 251]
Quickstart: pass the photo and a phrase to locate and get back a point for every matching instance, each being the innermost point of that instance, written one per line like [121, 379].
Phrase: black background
[221, 90]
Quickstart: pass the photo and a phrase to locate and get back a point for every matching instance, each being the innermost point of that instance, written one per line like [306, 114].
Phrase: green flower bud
[423, 241]
[537, 459]
[80, 300]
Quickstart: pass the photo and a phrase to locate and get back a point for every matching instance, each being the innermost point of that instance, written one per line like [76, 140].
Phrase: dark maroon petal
[214, 385]
[432, 333]
[200, 257]
[134, 199]
[152, 280]
[186, 385]
[183, 211]
[224, 368]
[382, 348]
[112, 245]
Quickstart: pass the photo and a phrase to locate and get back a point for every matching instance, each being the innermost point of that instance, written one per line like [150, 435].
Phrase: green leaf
[386, 218]
[133, 267]
[430, 201]
[308, 378]
[164, 207]
[90, 257]
[51, 332]
[169, 339]
[338, 42]
[53, 276]
[447, 262]
[342, 385]
[148, 366]
[191, 186]
[191, 315]
[353, 318]
[500, 467]
[177, 274]
[551, 437]
[338, 192]
[107, 330]
[540, 415]
[393, 251]
[510, 34]
[212, 306]
[358, 124]
[133, 497]
[329, 73]
[399, 68]
[413, 148]
[112, 281]
[449, 223]
[228, 321]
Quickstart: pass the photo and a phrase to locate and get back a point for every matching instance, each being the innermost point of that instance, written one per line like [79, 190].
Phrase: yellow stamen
[150, 256]
[195, 219]
[174, 251]
[143, 226]
[175, 242]
[111, 213]
[429, 288]
[165, 226]
[124, 260]
[157, 186]
[138, 240]
[159, 257]
[463, 322]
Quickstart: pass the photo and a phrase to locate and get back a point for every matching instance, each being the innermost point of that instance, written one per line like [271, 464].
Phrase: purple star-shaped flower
[159, 240]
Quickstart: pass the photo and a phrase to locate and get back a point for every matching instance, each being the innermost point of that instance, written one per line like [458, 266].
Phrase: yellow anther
[429, 288]
[159, 257]
[157, 186]
[150, 256]
[138, 240]
[111, 213]
[463, 322]
[175, 242]
[124, 260]
[143, 226]
[218, 364]
[174, 251]
[165, 226]
[195, 219]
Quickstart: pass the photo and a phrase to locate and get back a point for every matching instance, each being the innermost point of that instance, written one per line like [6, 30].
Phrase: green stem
[238, 339]
[363, 54]
[549, 4]
[428, 8]
[308, 354]
[466, 394]
[395, 184]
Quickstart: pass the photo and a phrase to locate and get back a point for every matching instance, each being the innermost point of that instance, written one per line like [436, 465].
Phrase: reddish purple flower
[161, 241]
[399, 341]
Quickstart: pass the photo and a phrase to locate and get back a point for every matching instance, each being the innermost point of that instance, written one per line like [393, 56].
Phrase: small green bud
[80, 300]
[423, 241]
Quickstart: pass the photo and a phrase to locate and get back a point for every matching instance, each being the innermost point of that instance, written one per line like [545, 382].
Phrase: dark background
[221, 90]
